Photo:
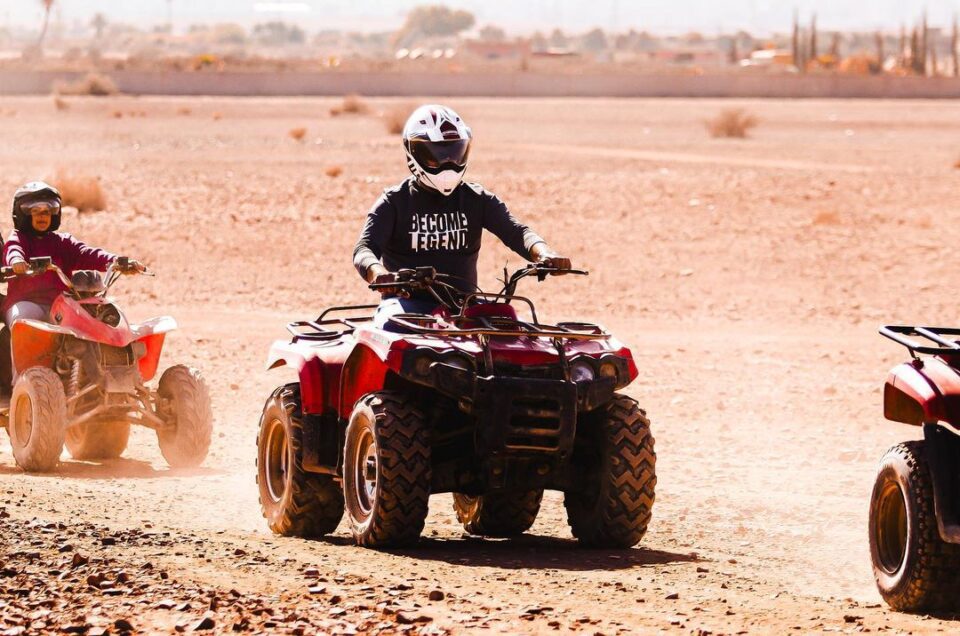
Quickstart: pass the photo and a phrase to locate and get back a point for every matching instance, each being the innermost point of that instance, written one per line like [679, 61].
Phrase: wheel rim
[276, 460]
[23, 421]
[891, 527]
[366, 470]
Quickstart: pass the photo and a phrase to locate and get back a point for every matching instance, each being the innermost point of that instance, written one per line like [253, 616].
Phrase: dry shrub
[333, 171]
[297, 134]
[957, 164]
[60, 103]
[351, 105]
[217, 117]
[118, 114]
[184, 111]
[80, 191]
[827, 217]
[92, 84]
[731, 123]
[396, 117]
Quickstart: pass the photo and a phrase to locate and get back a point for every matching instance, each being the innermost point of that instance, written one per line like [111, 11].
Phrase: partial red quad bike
[472, 400]
[82, 380]
[915, 507]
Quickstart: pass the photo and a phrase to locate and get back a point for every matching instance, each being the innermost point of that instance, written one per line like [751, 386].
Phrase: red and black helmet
[35, 192]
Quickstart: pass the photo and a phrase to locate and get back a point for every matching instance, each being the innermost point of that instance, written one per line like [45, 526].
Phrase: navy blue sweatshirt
[411, 226]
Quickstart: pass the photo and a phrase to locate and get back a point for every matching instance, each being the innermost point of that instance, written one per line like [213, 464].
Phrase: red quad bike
[472, 400]
[82, 380]
[915, 507]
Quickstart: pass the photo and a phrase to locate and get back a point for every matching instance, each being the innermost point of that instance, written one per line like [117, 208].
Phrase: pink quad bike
[82, 380]
[914, 521]
[472, 400]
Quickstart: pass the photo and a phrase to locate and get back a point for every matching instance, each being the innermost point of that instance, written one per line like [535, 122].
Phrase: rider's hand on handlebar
[555, 261]
[20, 267]
[131, 267]
[384, 279]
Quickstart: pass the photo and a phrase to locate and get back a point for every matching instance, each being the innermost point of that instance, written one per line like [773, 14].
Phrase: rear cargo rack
[317, 330]
[901, 335]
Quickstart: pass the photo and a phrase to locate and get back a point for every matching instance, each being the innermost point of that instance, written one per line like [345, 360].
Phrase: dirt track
[748, 276]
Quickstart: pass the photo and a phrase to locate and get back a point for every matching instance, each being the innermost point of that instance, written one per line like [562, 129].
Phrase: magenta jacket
[67, 253]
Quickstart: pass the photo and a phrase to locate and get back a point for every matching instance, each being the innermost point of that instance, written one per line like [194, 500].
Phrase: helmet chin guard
[437, 145]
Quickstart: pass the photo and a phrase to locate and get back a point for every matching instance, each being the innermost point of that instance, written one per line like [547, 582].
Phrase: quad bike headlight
[582, 371]
[608, 370]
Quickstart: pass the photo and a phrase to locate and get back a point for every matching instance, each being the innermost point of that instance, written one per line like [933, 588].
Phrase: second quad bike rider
[434, 218]
[36, 219]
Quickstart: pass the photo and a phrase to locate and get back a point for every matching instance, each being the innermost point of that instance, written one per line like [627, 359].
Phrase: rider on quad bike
[448, 388]
[435, 219]
[79, 367]
[36, 219]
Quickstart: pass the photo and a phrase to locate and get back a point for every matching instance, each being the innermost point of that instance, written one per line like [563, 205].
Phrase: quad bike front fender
[35, 343]
[364, 371]
[922, 391]
[152, 334]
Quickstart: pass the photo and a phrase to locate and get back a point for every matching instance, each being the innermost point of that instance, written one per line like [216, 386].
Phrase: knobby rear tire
[914, 568]
[307, 504]
[498, 513]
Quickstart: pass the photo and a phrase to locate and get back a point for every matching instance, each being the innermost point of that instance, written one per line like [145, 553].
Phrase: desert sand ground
[749, 277]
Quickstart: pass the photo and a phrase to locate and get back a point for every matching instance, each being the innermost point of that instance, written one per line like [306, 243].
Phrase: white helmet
[437, 142]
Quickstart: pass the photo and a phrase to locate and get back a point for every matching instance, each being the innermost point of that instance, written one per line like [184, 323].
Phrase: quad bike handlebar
[429, 280]
[43, 264]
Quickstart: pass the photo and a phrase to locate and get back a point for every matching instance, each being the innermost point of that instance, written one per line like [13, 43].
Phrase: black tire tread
[618, 515]
[498, 513]
[403, 442]
[934, 582]
[315, 505]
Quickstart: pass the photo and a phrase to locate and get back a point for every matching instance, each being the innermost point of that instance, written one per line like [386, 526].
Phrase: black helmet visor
[434, 155]
[42, 206]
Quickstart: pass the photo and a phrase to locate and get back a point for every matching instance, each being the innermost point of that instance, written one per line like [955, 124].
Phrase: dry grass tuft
[351, 105]
[395, 118]
[80, 191]
[827, 217]
[333, 171]
[92, 84]
[118, 114]
[956, 164]
[60, 103]
[297, 134]
[217, 117]
[731, 123]
[184, 111]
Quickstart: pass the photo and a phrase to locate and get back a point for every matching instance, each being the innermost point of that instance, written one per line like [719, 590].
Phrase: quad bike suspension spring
[74, 385]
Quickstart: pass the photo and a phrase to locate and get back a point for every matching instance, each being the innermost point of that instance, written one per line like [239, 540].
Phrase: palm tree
[47, 6]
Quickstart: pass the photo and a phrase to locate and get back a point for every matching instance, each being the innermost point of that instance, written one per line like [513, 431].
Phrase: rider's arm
[373, 238]
[83, 256]
[514, 234]
[13, 251]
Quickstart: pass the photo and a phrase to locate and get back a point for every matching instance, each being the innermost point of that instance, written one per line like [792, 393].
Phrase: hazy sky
[678, 16]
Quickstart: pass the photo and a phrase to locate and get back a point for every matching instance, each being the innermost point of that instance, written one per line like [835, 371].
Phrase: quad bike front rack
[901, 335]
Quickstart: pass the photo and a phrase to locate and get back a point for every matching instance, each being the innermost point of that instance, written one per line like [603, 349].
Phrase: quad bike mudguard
[35, 342]
[924, 393]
